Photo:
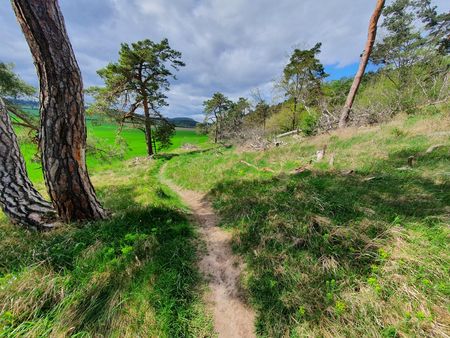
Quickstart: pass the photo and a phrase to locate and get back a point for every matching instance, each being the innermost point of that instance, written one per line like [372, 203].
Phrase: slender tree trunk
[345, 113]
[216, 132]
[63, 128]
[216, 136]
[148, 127]
[20, 201]
[294, 114]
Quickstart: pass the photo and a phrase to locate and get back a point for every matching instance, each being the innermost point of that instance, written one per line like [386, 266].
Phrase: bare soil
[222, 269]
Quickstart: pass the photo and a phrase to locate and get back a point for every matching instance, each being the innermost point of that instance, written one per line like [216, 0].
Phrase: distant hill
[33, 107]
[33, 104]
[183, 122]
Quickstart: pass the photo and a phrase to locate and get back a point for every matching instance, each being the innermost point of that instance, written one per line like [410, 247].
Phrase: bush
[106, 150]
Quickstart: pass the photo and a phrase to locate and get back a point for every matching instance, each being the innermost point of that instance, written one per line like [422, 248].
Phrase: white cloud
[232, 46]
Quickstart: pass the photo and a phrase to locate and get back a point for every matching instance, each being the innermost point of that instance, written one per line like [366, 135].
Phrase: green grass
[104, 136]
[328, 252]
[187, 136]
[332, 253]
[133, 275]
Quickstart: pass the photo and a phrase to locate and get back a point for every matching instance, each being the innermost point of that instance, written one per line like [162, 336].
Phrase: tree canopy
[215, 110]
[139, 81]
[302, 79]
[13, 87]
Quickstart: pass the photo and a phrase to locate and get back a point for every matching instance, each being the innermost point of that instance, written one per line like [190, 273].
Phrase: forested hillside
[183, 122]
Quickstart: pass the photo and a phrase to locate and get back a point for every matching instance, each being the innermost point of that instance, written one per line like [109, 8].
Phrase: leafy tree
[234, 118]
[411, 55]
[402, 43]
[437, 25]
[280, 121]
[261, 110]
[335, 92]
[164, 131]
[262, 113]
[201, 128]
[139, 80]
[302, 78]
[12, 87]
[215, 110]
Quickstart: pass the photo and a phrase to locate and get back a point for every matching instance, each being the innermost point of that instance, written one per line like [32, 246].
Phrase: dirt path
[232, 317]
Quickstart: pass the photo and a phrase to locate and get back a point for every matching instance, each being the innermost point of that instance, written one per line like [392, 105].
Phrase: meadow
[322, 209]
[111, 148]
[355, 244]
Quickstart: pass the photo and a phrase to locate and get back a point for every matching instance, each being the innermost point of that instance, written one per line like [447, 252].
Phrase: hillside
[32, 107]
[352, 245]
[183, 122]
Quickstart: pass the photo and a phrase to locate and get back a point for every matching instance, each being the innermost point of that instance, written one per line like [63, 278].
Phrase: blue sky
[336, 72]
[232, 46]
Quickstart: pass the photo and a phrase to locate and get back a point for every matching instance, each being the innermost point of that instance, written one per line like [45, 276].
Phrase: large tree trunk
[20, 201]
[63, 129]
[345, 113]
[148, 127]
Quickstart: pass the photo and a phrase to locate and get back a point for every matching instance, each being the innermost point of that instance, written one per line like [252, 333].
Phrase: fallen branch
[255, 167]
[433, 148]
[412, 160]
[293, 132]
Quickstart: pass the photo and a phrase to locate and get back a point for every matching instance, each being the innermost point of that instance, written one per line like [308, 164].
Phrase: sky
[231, 46]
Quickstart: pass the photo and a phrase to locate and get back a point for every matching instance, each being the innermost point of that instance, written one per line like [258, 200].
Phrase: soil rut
[232, 317]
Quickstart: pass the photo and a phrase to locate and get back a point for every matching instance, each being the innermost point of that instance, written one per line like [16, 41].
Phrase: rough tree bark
[216, 129]
[20, 201]
[294, 122]
[63, 129]
[148, 127]
[345, 113]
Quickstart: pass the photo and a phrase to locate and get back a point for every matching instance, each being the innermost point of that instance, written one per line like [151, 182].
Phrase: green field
[104, 136]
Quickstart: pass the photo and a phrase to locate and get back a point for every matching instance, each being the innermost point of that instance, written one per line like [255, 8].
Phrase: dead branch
[255, 167]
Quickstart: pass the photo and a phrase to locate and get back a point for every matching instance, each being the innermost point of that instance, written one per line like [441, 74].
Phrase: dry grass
[339, 253]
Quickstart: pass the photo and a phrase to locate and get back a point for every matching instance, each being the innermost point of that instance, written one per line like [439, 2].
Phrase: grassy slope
[335, 254]
[134, 275]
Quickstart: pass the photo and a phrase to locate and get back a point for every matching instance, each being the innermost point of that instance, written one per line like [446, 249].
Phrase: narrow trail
[232, 317]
